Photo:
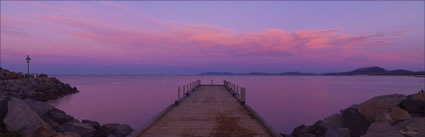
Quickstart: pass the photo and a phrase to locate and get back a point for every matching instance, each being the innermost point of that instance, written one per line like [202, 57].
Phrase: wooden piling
[243, 99]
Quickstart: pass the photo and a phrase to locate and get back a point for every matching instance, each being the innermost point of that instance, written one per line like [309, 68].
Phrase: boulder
[333, 121]
[382, 105]
[84, 130]
[3, 111]
[68, 134]
[384, 118]
[119, 130]
[355, 121]
[58, 116]
[382, 129]
[414, 127]
[338, 132]
[300, 130]
[39, 107]
[20, 115]
[53, 124]
[285, 135]
[93, 124]
[415, 104]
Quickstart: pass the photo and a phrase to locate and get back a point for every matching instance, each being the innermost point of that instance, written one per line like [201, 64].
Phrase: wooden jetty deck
[207, 111]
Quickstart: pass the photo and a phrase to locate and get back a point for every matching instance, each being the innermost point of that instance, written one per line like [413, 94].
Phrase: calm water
[283, 101]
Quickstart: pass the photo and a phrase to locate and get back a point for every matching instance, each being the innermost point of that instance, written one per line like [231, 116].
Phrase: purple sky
[146, 37]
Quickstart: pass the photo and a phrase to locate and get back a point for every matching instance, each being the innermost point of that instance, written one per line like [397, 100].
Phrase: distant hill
[217, 73]
[296, 73]
[373, 70]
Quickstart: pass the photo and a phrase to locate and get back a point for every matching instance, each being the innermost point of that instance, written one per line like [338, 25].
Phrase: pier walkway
[207, 111]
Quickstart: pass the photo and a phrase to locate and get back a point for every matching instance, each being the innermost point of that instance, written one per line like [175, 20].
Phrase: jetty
[207, 111]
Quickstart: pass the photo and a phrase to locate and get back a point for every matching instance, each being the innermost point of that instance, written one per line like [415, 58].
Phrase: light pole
[28, 65]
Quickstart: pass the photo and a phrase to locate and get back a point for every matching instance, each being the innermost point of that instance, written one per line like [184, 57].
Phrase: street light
[28, 65]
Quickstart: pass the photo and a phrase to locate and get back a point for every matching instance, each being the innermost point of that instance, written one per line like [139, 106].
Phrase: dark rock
[43, 75]
[338, 132]
[84, 130]
[415, 104]
[68, 134]
[307, 135]
[53, 124]
[300, 130]
[20, 115]
[102, 132]
[285, 135]
[58, 116]
[333, 121]
[93, 124]
[119, 130]
[355, 122]
[3, 112]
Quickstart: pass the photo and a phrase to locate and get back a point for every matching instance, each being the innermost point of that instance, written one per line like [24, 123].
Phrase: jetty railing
[187, 90]
[237, 91]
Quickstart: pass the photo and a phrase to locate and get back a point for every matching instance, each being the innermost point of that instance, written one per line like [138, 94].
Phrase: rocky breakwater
[39, 87]
[392, 115]
[30, 118]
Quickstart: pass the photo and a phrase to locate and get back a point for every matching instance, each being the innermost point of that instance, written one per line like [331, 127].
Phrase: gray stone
[119, 130]
[382, 105]
[20, 115]
[414, 127]
[81, 129]
[40, 107]
[382, 129]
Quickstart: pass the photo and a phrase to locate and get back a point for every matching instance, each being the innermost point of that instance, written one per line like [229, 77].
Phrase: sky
[189, 37]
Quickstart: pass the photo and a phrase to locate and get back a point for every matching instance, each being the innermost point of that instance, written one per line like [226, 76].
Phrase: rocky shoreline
[30, 118]
[394, 115]
[38, 87]
[25, 113]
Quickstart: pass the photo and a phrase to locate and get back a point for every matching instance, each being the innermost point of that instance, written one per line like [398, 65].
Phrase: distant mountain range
[374, 70]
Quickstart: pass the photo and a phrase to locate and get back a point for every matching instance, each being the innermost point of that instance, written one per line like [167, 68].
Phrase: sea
[284, 102]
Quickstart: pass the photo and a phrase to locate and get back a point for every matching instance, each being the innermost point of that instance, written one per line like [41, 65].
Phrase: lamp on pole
[28, 65]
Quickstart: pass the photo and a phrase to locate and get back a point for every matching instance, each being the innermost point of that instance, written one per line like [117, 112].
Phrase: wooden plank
[209, 112]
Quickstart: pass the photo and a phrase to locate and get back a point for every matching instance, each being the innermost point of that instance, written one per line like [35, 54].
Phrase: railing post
[243, 99]
[178, 94]
[184, 90]
[237, 89]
